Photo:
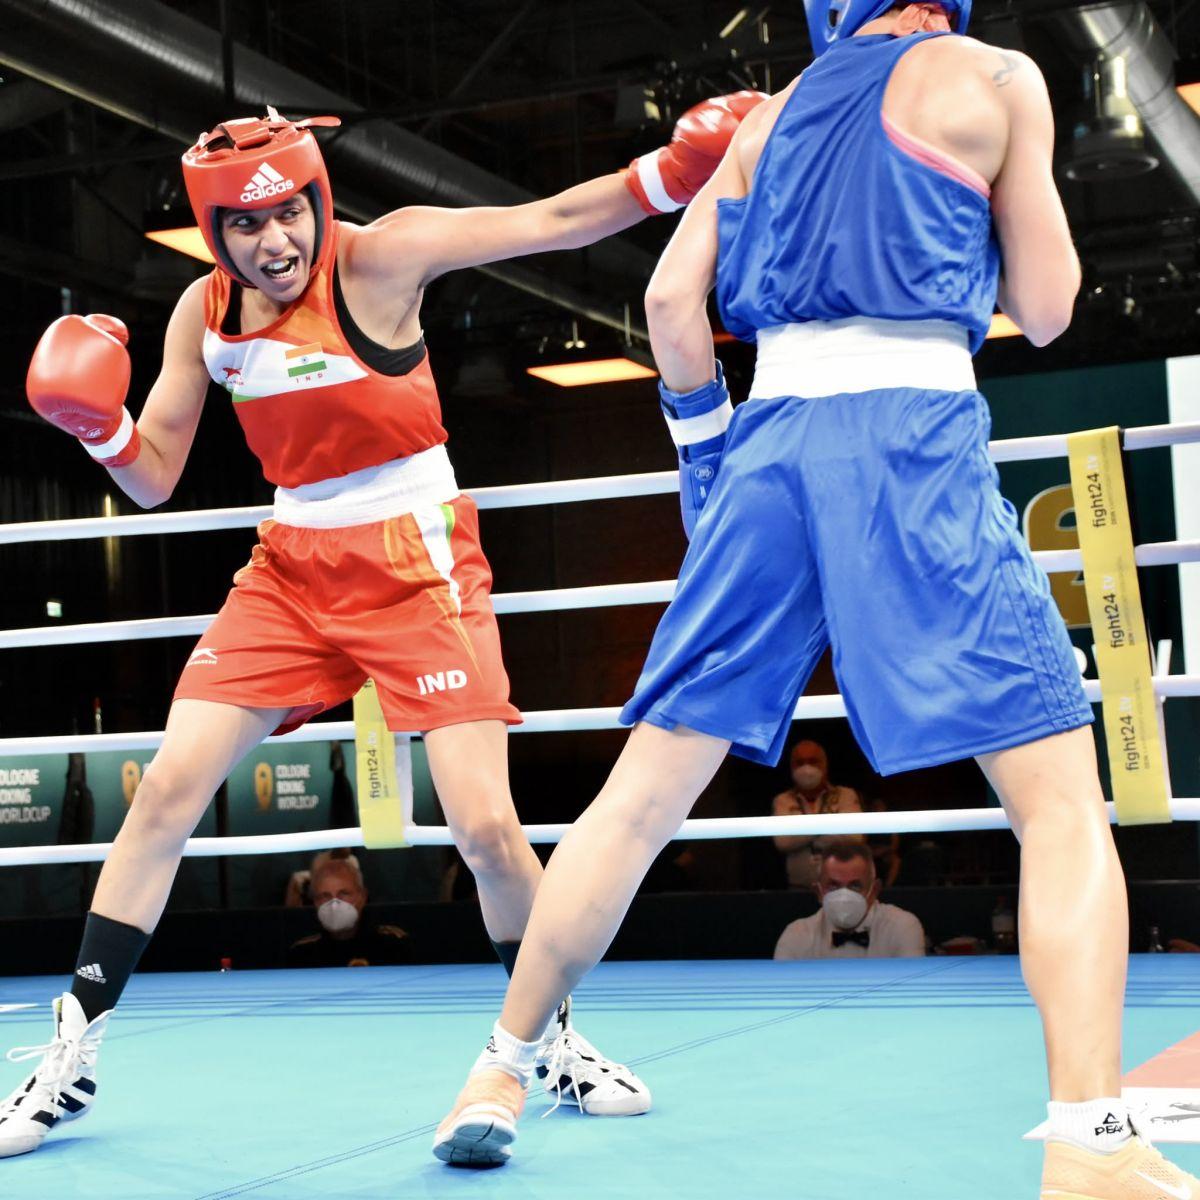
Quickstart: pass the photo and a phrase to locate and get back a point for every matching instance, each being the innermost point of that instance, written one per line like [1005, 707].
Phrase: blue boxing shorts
[873, 522]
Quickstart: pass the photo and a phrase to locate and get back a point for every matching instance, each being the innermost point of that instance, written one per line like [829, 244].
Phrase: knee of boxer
[491, 841]
[167, 805]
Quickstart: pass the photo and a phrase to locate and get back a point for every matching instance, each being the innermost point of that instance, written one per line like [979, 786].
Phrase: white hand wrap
[687, 431]
[651, 180]
[116, 443]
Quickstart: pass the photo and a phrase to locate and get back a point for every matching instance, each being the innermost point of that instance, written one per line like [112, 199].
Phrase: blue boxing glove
[697, 422]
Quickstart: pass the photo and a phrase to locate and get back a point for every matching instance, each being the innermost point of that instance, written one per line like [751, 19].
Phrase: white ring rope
[1153, 554]
[566, 491]
[560, 720]
[552, 600]
[553, 720]
[701, 829]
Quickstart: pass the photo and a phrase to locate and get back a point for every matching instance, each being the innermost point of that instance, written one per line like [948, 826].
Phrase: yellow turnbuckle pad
[1135, 747]
[384, 774]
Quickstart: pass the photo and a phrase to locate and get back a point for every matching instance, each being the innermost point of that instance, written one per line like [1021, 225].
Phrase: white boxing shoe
[574, 1072]
[63, 1085]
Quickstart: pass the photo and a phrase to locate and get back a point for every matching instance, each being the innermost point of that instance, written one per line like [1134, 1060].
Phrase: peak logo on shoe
[1183, 1192]
[1112, 1124]
[92, 973]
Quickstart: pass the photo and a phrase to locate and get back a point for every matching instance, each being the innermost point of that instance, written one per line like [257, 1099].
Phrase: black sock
[507, 953]
[107, 957]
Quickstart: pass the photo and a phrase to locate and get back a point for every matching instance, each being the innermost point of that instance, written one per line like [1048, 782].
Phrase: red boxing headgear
[256, 162]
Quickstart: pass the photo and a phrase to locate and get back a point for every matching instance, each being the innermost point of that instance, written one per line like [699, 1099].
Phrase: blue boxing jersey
[848, 217]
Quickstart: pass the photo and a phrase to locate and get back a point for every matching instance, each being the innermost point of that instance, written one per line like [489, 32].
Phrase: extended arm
[439, 240]
[449, 238]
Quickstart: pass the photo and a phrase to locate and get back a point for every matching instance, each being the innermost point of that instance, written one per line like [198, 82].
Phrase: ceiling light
[187, 240]
[600, 370]
[733, 23]
[1109, 141]
[1003, 327]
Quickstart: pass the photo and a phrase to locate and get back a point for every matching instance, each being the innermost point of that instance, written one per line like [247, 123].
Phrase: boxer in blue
[860, 229]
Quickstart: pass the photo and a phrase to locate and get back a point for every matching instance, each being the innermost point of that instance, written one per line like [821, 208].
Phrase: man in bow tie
[851, 922]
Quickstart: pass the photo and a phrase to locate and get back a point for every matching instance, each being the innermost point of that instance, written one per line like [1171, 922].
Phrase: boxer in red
[371, 565]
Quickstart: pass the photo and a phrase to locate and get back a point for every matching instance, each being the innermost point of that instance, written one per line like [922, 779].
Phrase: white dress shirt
[894, 933]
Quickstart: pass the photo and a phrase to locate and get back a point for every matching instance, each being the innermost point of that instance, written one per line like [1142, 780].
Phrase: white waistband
[861, 354]
[372, 494]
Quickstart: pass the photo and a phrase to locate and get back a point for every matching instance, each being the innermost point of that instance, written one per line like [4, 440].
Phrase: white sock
[504, 1052]
[1100, 1125]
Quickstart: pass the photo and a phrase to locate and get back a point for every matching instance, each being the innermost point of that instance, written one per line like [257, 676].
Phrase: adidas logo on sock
[490, 1048]
[1112, 1124]
[92, 974]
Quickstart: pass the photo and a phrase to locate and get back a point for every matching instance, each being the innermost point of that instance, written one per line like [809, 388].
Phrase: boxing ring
[900, 1079]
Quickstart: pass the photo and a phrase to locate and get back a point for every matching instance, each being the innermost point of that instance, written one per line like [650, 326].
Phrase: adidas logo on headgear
[266, 181]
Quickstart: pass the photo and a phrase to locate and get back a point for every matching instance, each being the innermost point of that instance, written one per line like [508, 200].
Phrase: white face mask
[845, 908]
[337, 915]
[808, 778]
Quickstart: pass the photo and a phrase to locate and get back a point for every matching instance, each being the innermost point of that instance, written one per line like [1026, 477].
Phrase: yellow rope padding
[382, 803]
[1135, 748]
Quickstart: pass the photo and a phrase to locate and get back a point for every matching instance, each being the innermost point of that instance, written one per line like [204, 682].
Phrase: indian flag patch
[304, 361]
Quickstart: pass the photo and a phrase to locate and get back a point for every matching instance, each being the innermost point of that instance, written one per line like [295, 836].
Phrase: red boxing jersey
[311, 409]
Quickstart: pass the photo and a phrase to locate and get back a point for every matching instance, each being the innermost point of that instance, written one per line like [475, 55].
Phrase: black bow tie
[863, 938]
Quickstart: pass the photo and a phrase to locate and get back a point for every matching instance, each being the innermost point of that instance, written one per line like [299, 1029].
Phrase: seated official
[811, 793]
[338, 898]
[851, 922]
[299, 886]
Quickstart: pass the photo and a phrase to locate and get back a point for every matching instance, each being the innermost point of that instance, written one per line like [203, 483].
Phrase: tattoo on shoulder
[1003, 77]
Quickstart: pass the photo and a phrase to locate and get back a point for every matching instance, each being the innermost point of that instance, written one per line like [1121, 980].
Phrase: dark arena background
[798, 1079]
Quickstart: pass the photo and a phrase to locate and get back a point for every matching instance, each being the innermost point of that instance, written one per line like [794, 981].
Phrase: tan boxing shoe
[482, 1125]
[1135, 1172]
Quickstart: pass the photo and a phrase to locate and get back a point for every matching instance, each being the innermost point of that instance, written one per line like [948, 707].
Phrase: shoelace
[569, 1047]
[59, 1067]
[557, 1066]
[585, 1048]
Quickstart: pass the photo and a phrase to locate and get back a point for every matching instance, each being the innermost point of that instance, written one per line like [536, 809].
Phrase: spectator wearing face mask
[299, 886]
[344, 940]
[811, 792]
[851, 923]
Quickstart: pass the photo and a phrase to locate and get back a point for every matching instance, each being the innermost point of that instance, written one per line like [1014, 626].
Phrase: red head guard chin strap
[257, 162]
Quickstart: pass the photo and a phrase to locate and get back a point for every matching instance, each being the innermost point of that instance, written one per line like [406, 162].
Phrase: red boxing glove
[670, 177]
[78, 379]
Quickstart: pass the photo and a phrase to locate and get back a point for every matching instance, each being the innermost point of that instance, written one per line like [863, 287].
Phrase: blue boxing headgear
[832, 21]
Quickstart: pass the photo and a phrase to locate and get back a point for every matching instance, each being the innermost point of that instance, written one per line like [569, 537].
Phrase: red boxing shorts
[405, 601]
